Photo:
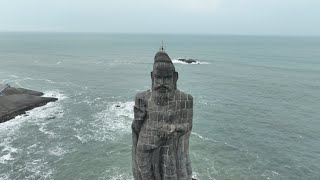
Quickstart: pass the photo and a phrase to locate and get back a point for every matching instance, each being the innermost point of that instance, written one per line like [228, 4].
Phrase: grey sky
[252, 17]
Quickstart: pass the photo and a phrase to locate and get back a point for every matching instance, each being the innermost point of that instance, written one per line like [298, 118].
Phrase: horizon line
[158, 33]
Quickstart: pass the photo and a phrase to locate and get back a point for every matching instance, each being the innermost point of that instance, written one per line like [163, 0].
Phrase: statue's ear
[152, 79]
[175, 79]
[176, 76]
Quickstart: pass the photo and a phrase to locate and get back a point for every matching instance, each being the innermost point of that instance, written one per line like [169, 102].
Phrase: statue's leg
[169, 163]
[144, 160]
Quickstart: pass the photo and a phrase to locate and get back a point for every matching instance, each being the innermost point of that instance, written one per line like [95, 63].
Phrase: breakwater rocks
[16, 101]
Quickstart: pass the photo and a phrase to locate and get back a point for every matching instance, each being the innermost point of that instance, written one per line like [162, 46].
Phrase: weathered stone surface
[11, 90]
[162, 126]
[16, 101]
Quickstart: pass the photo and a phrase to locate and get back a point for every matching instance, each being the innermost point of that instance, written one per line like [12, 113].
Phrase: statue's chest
[169, 113]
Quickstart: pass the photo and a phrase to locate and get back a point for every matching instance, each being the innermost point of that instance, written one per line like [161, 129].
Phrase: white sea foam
[16, 81]
[116, 173]
[55, 94]
[9, 131]
[216, 141]
[4, 176]
[38, 169]
[14, 76]
[51, 111]
[111, 123]
[114, 121]
[176, 61]
[6, 157]
[7, 150]
[58, 151]
[123, 109]
[195, 175]
[7, 135]
[204, 138]
[208, 164]
[269, 174]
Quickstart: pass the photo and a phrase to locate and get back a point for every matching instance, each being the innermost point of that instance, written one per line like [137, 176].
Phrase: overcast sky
[249, 17]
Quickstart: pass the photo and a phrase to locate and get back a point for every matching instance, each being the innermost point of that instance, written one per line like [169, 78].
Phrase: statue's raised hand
[140, 111]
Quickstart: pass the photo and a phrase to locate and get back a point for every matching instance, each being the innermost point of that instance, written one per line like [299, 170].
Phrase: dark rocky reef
[16, 101]
[189, 61]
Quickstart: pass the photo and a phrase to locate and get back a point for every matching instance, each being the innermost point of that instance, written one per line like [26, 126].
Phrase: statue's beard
[162, 97]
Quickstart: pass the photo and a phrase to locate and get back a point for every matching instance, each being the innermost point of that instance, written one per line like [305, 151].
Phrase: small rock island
[16, 101]
[188, 61]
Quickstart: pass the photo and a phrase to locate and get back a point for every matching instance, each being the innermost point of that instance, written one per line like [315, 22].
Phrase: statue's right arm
[139, 112]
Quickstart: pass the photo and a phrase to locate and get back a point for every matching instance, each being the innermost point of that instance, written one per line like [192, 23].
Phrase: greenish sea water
[256, 104]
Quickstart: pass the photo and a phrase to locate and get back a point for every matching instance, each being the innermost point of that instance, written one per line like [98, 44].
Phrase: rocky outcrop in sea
[16, 101]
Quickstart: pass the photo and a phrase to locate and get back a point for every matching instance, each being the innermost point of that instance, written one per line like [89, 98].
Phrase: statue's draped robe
[159, 157]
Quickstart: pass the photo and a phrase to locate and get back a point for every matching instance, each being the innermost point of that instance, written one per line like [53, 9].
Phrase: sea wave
[38, 169]
[58, 150]
[216, 141]
[110, 123]
[114, 121]
[207, 170]
[55, 94]
[24, 82]
[116, 173]
[204, 138]
[10, 130]
[6, 157]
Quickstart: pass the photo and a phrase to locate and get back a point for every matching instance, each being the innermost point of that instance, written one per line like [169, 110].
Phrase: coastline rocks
[16, 101]
[11, 90]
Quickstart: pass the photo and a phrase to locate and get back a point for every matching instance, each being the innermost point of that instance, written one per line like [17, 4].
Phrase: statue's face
[163, 80]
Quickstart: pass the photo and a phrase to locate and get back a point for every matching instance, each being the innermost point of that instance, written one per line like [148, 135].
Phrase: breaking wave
[116, 173]
[110, 123]
[204, 138]
[114, 120]
[18, 129]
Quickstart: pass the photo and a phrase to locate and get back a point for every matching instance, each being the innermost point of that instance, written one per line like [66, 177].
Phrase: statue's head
[164, 77]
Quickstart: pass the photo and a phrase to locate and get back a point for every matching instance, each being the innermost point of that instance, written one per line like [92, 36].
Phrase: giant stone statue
[162, 126]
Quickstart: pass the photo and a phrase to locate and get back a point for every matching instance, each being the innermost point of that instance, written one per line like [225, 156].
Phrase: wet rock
[12, 90]
[16, 101]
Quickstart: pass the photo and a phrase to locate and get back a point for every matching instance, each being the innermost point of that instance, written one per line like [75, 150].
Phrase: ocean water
[256, 104]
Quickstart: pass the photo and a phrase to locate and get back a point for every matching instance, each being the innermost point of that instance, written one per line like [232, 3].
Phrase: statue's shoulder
[183, 96]
[144, 94]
